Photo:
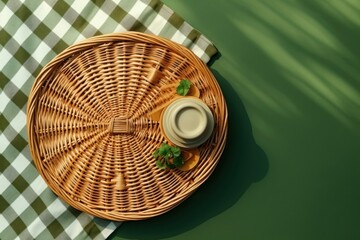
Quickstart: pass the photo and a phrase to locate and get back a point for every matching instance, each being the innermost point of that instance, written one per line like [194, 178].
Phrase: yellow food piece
[191, 157]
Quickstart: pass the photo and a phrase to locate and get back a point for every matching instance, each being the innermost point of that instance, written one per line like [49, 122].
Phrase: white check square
[75, 228]
[20, 163]
[22, 33]
[157, 24]
[137, 9]
[19, 121]
[5, 14]
[21, 77]
[56, 208]
[42, 11]
[36, 227]
[4, 183]
[38, 185]
[61, 28]
[41, 51]
[4, 100]
[20, 204]
[178, 37]
[5, 57]
[197, 50]
[99, 19]
[3, 223]
[78, 6]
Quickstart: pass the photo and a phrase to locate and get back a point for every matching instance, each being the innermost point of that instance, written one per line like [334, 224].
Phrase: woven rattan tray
[89, 128]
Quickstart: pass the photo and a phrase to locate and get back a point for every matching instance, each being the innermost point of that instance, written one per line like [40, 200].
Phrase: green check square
[42, 31]
[10, 153]
[10, 193]
[23, 13]
[55, 228]
[138, 26]
[3, 123]
[22, 55]
[3, 80]
[210, 50]
[45, 234]
[4, 37]
[19, 99]
[23, 132]
[19, 142]
[80, 23]
[176, 20]
[9, 233]
[37, 71]
[98, 32]
[20, 183]
[74, 211]
[4, 163]
[28, 216]
[61, 7]
[11, 68]
[38, 205]
[190, 38]
[18, 225]
[31, 43]
[118, 14]
[30, 4]
[155, 5]
[99, 3]
[59, 46]
[91, 230]
[3, 204]
[14, 26]
[193, 35]
[127, 5]
[30, 174]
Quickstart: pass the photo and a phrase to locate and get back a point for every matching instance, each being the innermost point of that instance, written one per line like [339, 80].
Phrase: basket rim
[89, 43]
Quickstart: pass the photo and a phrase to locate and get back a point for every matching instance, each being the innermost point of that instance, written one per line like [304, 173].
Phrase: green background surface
[290, 72]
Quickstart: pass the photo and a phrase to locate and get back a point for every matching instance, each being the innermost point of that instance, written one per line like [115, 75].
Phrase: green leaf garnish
[168, 156]
[183, 87]
[164, 150]
[156, 153]
[178, 161]
[176, 151]
[171, 165]
[160, 164]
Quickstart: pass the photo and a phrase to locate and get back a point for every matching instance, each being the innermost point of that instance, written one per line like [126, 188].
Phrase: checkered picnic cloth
[32, 32]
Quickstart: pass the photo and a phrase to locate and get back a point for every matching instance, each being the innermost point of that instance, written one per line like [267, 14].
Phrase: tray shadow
[242, 163]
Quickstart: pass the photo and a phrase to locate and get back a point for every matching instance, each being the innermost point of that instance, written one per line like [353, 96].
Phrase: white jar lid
[187, 122]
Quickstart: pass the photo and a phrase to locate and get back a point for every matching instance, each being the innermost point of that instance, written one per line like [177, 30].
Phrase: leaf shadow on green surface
[242, 163]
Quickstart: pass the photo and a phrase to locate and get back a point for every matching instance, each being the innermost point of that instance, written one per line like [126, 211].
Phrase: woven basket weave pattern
[89, 129]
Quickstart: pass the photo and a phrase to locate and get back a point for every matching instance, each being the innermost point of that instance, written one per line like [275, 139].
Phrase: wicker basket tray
[89, 128]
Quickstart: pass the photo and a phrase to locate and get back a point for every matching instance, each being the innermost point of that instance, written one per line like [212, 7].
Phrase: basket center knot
[119, 125]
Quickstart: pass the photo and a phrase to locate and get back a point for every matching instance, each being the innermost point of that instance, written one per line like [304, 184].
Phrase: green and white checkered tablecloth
[32, 32]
